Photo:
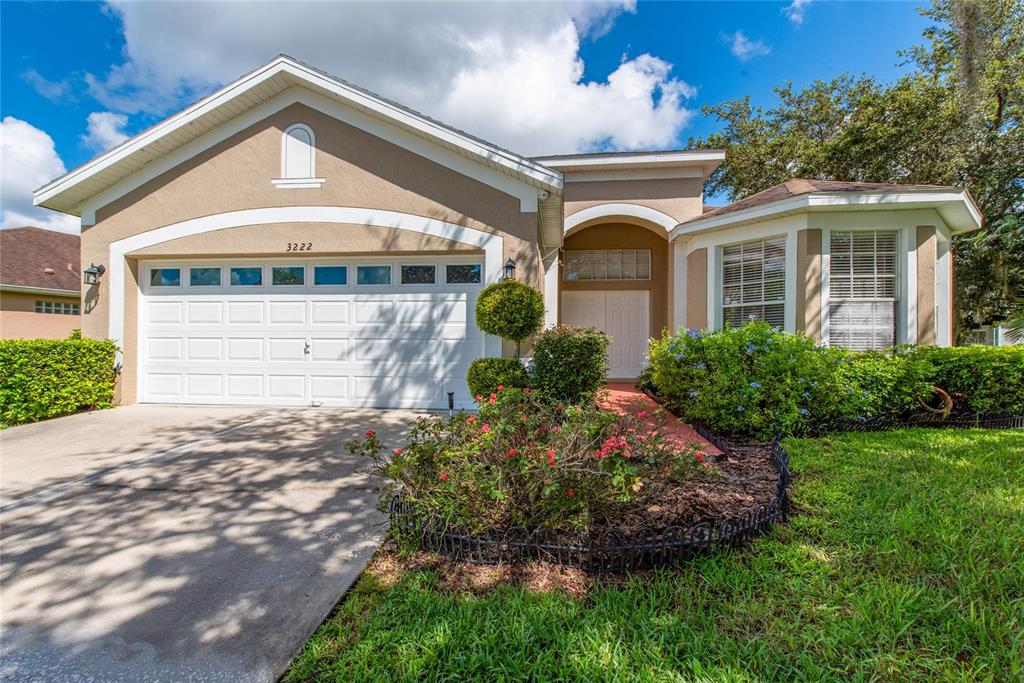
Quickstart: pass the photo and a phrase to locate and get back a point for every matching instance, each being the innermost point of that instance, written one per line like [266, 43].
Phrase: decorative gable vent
[298, 159]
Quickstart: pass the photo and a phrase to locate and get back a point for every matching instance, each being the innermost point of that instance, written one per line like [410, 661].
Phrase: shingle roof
[799, 186]
[33, 257]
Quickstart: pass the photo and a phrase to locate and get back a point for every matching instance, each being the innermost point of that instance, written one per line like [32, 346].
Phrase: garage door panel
[330, 312]
[241, 386]
[205, 312]
[287, 349]
[329, 350]
[205, 348]
[286, 386]
[241, 349]
[164, 312]
[204, 385]
[164, 348]
[167, 385]
[245, 312]
[287, 313]
[326, 387]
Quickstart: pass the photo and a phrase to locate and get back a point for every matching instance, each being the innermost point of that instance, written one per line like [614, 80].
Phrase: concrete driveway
[168, 543]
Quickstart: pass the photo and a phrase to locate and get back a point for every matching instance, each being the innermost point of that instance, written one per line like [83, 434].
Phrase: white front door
[348, 332]
[624, 316]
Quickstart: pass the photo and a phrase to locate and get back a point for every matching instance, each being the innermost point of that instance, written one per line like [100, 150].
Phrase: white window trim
[348, 272]
[309, 182]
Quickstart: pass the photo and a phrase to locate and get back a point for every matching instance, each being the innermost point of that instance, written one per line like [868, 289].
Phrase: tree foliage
[954, 119]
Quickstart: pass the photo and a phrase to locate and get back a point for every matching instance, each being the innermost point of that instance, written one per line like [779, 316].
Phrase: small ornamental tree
[510, 310]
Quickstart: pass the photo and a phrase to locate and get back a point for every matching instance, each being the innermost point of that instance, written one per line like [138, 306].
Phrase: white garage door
[346, 332]
[623, 315]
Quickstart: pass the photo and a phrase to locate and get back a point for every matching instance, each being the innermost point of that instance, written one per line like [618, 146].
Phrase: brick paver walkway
[624, 398]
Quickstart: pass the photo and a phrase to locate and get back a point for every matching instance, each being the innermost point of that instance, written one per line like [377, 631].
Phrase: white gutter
[42, 291]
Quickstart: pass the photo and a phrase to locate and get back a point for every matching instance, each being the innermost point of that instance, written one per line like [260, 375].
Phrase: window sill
[298, 183]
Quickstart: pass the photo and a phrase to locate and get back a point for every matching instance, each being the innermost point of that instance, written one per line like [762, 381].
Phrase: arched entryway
[616, 276]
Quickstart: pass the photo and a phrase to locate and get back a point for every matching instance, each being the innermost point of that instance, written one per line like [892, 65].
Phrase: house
[39, 284]
[295, 239]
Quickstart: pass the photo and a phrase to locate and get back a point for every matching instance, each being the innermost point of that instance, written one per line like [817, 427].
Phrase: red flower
[511, 452]
[551, 452]
[501, 387]
[397, 451]
[369, 433]
[486, 426]
[570, 492]
[560, 408]
[524, 418]
[471, 419]
[555, 428]
[526, 390]
[642, 414]
[491, 400]
[444, 476]
[700, 457]
[479, 397]
[551, 457]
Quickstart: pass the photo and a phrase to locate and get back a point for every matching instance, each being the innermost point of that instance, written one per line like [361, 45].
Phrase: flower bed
[611, 549]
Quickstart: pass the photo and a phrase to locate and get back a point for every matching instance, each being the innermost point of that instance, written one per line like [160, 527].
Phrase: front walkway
[624, 398]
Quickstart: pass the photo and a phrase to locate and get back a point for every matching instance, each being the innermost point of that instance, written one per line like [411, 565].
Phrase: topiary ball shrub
[750, 380]
[569, 363]
[510, 310]
[485, 375]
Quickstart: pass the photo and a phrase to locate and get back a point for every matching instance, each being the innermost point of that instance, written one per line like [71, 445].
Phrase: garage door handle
[306, 350]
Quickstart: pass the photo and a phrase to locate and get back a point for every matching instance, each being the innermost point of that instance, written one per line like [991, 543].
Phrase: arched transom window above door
[298, 159]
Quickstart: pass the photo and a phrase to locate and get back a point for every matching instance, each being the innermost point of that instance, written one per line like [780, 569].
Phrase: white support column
[679, 285]
[551, 293]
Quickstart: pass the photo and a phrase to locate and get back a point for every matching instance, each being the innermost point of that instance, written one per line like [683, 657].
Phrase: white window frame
[417, 284]
[479, 265]
[565, 260]
[149, 277]
[391, 278]
[348, 272]
[904, 308]
[271, 267]
[309, 181]
[718, 286]
[205, 267]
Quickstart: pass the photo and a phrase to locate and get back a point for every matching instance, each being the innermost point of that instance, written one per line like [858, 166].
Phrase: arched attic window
[298, 158]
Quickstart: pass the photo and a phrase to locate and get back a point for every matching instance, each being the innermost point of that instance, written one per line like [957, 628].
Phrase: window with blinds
[606, 264]
[863, 289]
[754, 282]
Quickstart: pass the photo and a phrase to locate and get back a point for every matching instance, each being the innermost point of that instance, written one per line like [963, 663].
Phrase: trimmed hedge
[485, 375]
[41, 378]
[981, 379]
[569, 362]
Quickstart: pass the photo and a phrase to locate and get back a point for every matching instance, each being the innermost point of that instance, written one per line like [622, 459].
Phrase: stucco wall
[361, 171]
[18, 319]
[926, 263]
[680, 198]
[808, 282]
[625, 236]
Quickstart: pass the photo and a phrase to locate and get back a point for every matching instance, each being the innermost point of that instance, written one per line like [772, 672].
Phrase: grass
[905, 562]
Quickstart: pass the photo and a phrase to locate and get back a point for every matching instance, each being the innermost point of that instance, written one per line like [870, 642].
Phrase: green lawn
[906, 561]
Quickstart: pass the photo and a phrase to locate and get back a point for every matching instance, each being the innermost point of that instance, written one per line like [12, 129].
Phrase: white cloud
[105, 129]
[795, 10]
[54, 91]
[509, 72]
[744, 48]
[28, 161]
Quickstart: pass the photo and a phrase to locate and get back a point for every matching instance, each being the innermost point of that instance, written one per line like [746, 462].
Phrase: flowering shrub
[750, 380]
[527, 460]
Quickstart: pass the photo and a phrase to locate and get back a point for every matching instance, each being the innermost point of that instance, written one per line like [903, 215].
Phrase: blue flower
[864, 394]
[805, 395]
[755, 385]
[694, 394]
[740, 408]
[693, 332]
[814, 384]
[751, 347]
[681, 355]
[804, 411]
[701, 365]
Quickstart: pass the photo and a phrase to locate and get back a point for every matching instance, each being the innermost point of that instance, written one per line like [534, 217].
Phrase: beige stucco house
[294, 239]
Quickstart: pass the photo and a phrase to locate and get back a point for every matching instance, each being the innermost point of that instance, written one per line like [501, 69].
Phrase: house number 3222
[300, 246]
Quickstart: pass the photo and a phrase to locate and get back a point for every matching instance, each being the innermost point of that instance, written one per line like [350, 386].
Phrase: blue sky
[87, 74]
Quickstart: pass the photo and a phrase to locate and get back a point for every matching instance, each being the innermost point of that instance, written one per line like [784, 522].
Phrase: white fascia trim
[42, 291]
[582, 161]
[527, 194]
[633, 174]
[548, 178]
[612, 210]
[490, 243]
[298, 183]
[821, 200]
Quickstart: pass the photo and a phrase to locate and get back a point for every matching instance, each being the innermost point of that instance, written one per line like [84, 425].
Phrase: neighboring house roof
[34, 259]
[70, 191]
[955, 205]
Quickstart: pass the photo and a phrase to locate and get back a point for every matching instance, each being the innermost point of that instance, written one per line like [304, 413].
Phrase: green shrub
[881, 384]
[750, 380]
[485, 375]
[569, 362]
[41, 378]
[511, 310]
[528, 460]
[981, 379]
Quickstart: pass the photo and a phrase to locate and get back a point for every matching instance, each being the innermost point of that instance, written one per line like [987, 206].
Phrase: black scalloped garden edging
[608, 551]
[982, 421]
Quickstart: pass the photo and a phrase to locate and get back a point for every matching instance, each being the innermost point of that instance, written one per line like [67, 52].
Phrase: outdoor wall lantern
[91, 275]
[510, 270]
